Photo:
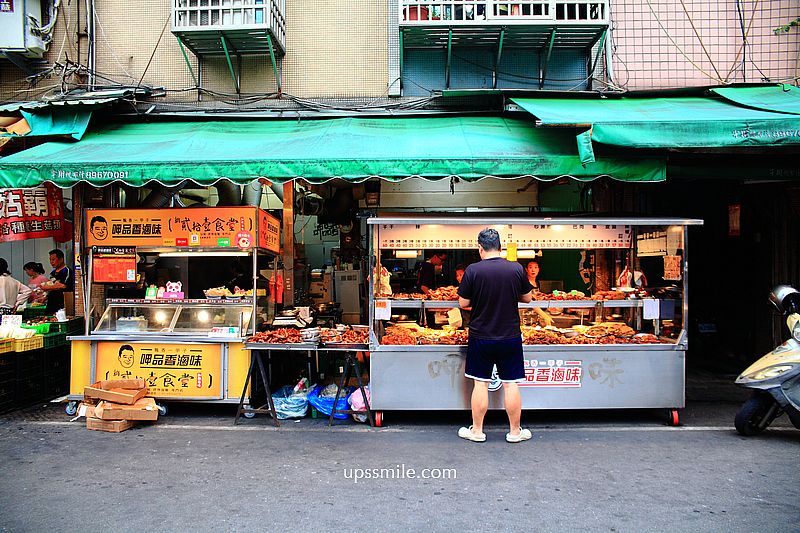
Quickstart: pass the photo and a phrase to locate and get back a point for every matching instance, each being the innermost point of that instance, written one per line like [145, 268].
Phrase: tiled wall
[678, 43]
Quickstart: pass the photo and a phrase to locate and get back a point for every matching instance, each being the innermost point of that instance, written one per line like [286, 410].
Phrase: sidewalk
[711, 401]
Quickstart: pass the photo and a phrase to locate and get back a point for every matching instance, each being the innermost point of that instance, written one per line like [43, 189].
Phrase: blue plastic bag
[288, 405]
[325, 405]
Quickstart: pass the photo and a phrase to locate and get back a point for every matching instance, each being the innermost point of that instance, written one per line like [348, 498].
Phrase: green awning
[354, 149]
[783, 98]
[678, 122]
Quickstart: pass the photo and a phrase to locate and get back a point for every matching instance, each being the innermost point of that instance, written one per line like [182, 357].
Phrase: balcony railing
[502, 12]
[233, 18]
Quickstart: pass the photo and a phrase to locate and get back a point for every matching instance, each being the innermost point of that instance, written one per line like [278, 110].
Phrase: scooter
[775, 378]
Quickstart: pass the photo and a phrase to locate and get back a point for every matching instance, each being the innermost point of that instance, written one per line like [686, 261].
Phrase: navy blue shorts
[484, 354]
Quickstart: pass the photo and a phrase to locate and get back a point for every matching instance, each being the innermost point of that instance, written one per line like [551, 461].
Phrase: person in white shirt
[13, 294]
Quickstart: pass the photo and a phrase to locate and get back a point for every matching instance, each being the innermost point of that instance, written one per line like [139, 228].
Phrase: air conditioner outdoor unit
[19, 24]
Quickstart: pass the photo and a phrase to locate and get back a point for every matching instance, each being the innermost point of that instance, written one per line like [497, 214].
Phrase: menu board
[114, 265]
[526, 236]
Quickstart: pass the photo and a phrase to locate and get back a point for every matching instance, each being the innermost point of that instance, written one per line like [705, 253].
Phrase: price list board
[114, 264]
[526, 236]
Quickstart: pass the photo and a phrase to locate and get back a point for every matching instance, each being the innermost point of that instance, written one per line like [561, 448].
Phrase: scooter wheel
[752, 417]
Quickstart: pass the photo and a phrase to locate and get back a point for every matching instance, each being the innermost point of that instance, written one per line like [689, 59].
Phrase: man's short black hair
[489, 240]
[125, 347]
[58, 253]
[461, 266]
[98, 218]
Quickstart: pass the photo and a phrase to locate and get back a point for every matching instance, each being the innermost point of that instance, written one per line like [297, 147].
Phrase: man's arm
[463, 303]
[54, 286]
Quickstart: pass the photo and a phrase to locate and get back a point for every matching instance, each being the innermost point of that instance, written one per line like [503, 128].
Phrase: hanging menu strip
[527, 236]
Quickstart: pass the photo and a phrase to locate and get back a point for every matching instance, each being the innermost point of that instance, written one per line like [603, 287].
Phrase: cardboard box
[125, 391]
[86, 409]
[143, 409]
[111, 426]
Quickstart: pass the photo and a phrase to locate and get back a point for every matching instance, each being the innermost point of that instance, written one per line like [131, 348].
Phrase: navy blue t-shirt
[494, 287]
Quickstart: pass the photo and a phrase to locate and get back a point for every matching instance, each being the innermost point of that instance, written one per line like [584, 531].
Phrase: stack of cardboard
[117, 405]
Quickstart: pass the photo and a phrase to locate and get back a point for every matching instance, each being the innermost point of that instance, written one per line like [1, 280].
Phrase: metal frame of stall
[431, 377]
[234, 357]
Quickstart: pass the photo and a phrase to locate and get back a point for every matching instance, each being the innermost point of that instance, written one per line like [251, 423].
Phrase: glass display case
[615, 337]
[183, 317]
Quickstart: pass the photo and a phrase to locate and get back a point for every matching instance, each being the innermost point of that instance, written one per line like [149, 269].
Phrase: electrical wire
[163, 29]
[107, 42]
[702, 44]
[680, 50]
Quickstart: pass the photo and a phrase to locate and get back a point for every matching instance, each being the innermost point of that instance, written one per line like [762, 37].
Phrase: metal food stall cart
[640, 365]
[186, 349]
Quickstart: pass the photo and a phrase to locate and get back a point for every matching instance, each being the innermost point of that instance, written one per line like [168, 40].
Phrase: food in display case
[444, 293]
[178, 317]
[278, 336]
[408, 296]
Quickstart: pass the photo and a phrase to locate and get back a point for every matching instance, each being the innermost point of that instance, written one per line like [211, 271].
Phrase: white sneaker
[524, 434]
[466, 433]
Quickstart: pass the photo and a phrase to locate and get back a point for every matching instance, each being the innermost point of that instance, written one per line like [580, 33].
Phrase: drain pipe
[252, 193]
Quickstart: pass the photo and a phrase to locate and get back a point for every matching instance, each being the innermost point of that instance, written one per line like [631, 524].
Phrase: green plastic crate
[33, 312]
[73, 325]
[52, 340]
[38, 328]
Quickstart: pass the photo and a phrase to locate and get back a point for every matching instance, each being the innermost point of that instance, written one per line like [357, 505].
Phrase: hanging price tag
[383, 309]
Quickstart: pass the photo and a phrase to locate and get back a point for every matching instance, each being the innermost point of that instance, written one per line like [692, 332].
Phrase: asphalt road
[583, 471]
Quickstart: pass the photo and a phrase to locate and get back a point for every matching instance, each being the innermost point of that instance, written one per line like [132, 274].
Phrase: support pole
[288, 244]
[602, 42]
[274, 65]
[449, 55]
[499, 55]
[401, 62]
[188, 64]
[547, 59]
[230, 63]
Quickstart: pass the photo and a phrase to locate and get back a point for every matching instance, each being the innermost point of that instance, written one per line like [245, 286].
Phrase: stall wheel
[378, 419]
[248, 415]
[72, 408]
[162, 409]
[673, 418]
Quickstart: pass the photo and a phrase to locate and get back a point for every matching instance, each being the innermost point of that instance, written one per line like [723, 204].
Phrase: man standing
[426, 280]
[61, 281]
[493, 287]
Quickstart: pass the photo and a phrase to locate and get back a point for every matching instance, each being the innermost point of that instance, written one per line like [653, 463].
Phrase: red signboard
[31, 213]
[114, 265]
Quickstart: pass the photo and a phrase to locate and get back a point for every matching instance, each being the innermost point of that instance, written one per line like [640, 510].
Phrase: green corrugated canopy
[354, 149]
[735, 117]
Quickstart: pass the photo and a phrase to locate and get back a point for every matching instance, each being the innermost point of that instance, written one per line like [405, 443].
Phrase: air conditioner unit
[20, 21]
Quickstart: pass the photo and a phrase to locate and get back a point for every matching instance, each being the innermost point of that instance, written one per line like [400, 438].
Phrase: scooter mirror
[785, 298]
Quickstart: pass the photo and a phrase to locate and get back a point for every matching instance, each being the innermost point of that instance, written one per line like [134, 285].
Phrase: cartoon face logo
[244, 240]
[98, 227]
[126, 356]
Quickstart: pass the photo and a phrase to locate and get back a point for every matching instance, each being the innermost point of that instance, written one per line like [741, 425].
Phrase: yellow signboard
[187, 371]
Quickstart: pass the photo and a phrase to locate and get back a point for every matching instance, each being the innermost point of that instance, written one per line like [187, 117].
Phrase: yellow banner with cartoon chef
[185, 371]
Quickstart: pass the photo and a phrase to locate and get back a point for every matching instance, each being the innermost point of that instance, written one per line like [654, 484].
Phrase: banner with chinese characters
[221, 227]
[269, 232]
[552, 373]
[186, 371]
[31, 213]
